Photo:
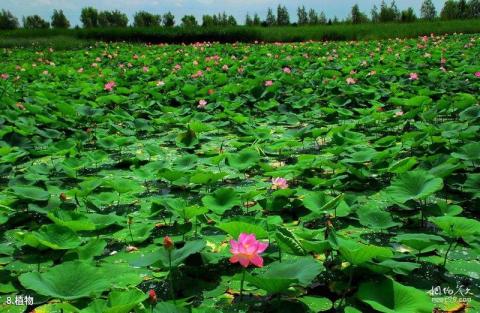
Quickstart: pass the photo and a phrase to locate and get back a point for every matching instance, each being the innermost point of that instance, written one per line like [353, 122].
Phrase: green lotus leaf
[204, 177]
[320, 204]
[388, 296]
[54, 237]
[243, 159]
[138, 232]
[221, 200]
[415, 185]
[359, 253]
[31, 193]
[186, 162]
[187, 139]
[472, 185]
[279, 276]
[419, 241]
[124, 301]
[124, 185]
[468, 152]
[288, 242]
[74, 221]
[234, 229]
[376, 218]
[178, 255]
[94, 247]
[68, 281]
[457, 226]
[403, 165]
[468, 268]
[316, 304]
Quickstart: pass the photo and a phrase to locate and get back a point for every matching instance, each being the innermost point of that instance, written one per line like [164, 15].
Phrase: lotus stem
[241, 284]
[446, 254]
[170, 277]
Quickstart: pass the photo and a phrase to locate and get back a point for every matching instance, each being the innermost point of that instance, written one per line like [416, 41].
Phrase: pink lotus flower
[4, 76]
[145, 69]
[425, 38]
[160, 83]
[152, 296]
[94, 65]
[477, 74]
[201, 104]
[351, 81]
[287, 70]
[240, 70]
[413, 76]
[225, 67]
[268, 83]
[177, 67]
[80, 70]
[199, 73]
[109, 86]
[246, 250]
[279, 183]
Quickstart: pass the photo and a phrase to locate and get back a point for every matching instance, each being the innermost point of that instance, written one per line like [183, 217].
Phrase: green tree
[322, 18]
[8, 20]
[473, 9]
[450, 10]
[146, 19]
[112, 19]
[207, 21]
[356, 16]
[374, 14]
[283, 17]
[312, 17]
[35, 22]
[248, 20]
[256, 20]
[168, 19]
[408, 16]
[271, 19]
[462, 9]
[302, 15]
[231, 21]
[388, 13]
[89, 17]
[428, 11]
[59, 20]
[189, 21]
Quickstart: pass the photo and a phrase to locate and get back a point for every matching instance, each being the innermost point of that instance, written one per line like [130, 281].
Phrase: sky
[238, 8]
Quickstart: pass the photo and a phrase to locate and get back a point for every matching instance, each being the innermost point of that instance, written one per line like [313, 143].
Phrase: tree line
[387, 12]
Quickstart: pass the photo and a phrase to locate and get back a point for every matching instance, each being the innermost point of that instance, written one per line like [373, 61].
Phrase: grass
[80, 37]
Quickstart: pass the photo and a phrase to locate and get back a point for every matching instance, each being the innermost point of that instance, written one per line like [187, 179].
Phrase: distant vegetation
[455, 16]
[386, 13]
[71, 38]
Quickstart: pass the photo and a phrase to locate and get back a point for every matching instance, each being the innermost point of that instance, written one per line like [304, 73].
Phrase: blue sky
[238, 8]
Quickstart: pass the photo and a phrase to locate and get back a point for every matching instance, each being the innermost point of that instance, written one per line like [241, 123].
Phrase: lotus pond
[300, 177]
